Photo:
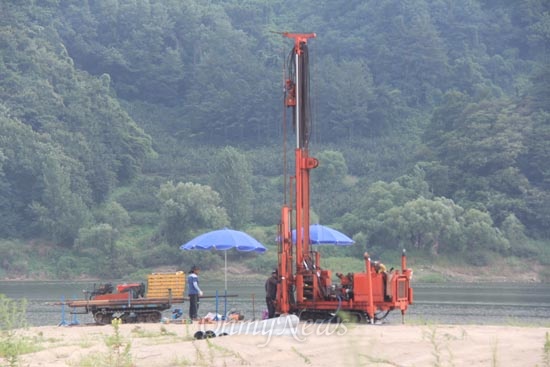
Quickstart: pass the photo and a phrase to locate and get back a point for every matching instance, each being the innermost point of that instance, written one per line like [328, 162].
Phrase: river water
[451, 303]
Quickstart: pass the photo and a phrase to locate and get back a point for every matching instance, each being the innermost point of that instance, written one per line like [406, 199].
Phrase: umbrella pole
[253, 309]
[225, 257]
[216, 318]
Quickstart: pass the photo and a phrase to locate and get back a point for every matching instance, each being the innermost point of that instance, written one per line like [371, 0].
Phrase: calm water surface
[453, 303]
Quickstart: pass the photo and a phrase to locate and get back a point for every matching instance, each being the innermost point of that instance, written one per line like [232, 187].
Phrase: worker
[381, 269]
[193, 292]
[271, 293]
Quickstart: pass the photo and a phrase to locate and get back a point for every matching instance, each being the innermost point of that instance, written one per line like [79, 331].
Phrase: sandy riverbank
[348, 345]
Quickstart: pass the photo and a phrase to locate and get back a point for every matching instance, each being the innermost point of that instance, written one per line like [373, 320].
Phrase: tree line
[127, 128]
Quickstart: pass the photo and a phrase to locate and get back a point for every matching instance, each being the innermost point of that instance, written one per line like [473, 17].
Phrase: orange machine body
[305, 288]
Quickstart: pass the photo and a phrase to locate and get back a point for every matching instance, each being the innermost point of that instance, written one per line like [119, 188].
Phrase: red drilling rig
[305, 288]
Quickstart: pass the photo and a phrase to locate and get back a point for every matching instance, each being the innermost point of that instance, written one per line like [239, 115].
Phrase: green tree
[187, 209]
[478, 233]
[513, 230]
[409, 52]
[370, 212]
[114, 214]
[19, 176]
[484, 138]
[535, 160]
[480, 149]
[232, 179]
[329, 189]
[415, 181]
[53, 112]
[331, 172]
[347, 89]
[428, 224]
[540, 90]
[99, 242]
[60, 212]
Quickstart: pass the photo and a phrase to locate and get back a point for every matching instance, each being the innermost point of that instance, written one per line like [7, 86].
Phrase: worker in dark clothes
[271, 293]
[193, 292]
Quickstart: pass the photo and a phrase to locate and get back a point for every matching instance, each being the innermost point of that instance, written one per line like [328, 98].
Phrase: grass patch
[12, 318]
[200, 359]
[381, 361]
[306, 359]
[419, 320]
[86, 343]
[431, 278]
[227, 352]
[138, 332]
[494, 354]
[118, 354]
[156, 337]
[176, 362]
[188, 332]
[440, 346]
[431, 335]
[546, 351]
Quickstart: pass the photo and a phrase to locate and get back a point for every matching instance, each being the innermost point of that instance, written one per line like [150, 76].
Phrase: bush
[544, 275]
[263, 263]
[478, 258]
[526, 250]
[431, 278]
[12, 317]
[11, 256]
[343, 264]
[141, 196]
[66, 266]
[144, 218]
[206, 260]
[160, 254]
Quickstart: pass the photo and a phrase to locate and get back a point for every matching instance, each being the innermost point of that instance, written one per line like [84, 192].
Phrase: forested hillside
[129, 127]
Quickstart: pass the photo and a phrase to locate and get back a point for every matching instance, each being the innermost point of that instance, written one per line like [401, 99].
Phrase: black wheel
[152, 317]
[316, 316]
[129, 318]
[358, 317]
[141, 318]
[209, 334]
[103, 318]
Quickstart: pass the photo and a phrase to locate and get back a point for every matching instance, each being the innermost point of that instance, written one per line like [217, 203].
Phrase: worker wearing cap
[193, 292]
[271, 293]
[381, 269]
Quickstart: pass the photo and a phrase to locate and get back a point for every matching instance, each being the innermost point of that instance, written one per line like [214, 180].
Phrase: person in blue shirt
[193, 292]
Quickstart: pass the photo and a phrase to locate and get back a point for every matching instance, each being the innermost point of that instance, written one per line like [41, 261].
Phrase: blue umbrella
[323, 235]
[225, 239]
